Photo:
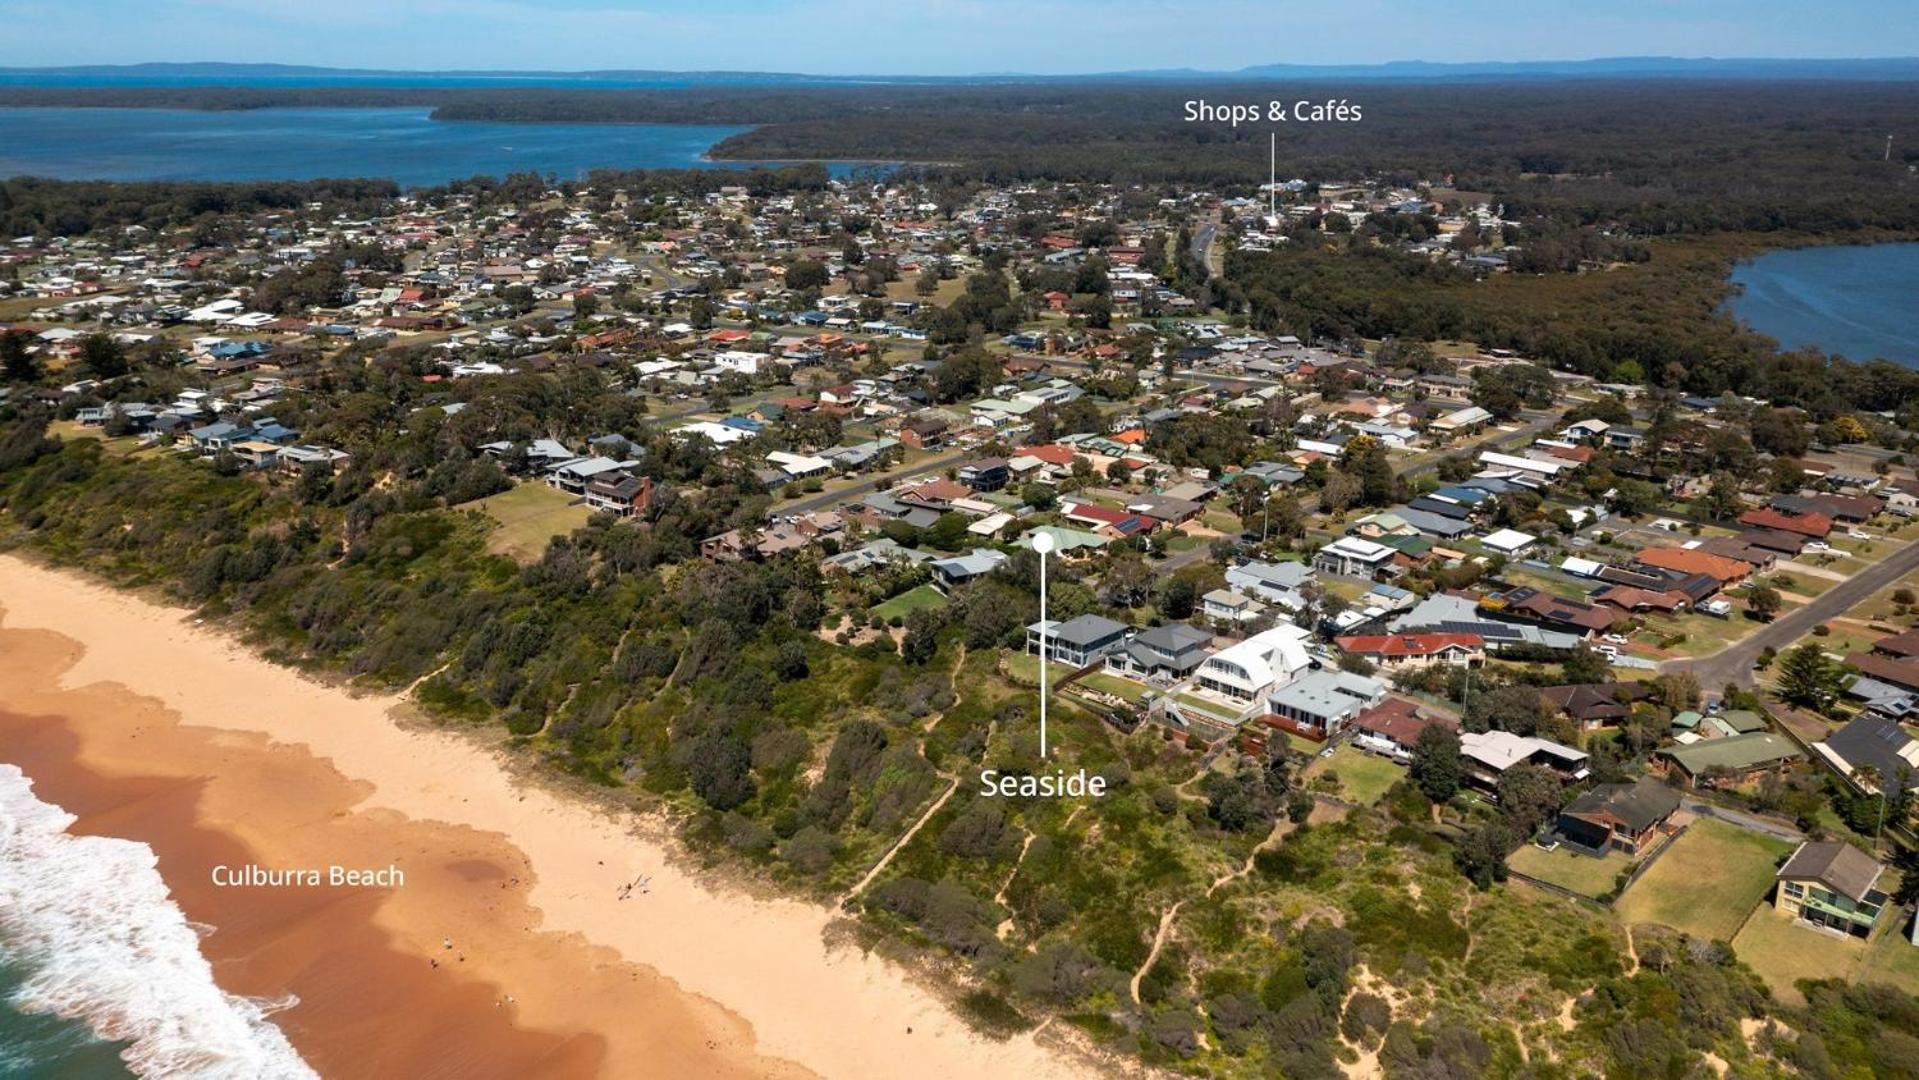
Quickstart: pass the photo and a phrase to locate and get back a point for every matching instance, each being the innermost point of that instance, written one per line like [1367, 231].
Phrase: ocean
[101, 974]
[1856, 301]
[402, 144]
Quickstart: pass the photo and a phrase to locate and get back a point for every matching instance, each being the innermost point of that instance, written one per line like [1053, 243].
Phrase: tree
[1764, 600]
[922, 637]
[16, 363]
[102, 357]
[1481, 854]
[1436, 765]
[1518, 709]
[1807, 677]
[806, 275]
[1721, 501]
[1586, 665]
[1529, 795]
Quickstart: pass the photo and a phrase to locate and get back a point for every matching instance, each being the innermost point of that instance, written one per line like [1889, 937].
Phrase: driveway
[1733, 664]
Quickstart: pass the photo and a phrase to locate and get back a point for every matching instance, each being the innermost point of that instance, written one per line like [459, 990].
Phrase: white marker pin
[1043, 543]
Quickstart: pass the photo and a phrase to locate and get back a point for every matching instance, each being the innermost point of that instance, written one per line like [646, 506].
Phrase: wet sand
[149, 727]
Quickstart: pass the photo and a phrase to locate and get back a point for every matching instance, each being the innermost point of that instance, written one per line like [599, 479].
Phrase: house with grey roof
[1079, 641]
[1277, 583]
[1832, 886]
[1324, 700]
[1166, 652]
[961, 569]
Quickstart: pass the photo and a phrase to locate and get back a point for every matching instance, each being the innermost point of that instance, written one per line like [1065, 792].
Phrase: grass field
[1568, 869]
[1892, 958]
[1783, 952]
[1707, 883]
[1025, 668]
[527, 517]
[906, 603]
[1363, 777]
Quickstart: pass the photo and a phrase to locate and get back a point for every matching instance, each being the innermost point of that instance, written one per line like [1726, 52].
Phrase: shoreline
[681, 977]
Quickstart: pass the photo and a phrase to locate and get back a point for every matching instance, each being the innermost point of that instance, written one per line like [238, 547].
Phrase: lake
[1856, 301]
[405, 145]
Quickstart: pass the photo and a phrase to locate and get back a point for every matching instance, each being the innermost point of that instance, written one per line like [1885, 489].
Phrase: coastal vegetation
[1203, 916]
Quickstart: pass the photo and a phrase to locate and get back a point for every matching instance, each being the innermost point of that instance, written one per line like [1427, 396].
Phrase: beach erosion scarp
[516, 945]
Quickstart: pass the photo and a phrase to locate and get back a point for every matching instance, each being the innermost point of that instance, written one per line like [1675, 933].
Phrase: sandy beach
[152, 728]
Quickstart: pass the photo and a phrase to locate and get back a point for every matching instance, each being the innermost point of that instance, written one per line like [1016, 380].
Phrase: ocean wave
[104, 943]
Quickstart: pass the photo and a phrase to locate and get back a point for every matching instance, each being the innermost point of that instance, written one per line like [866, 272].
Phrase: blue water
[35, 1046]
[1858, 301]
[404, 145]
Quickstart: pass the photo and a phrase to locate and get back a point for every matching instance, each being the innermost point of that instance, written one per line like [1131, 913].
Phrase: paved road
[1742, 820]
[782, 508]
[1203, 246]
[1733, 664]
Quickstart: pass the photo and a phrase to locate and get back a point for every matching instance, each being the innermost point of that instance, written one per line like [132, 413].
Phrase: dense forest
[1660, 157]
[1657, 322]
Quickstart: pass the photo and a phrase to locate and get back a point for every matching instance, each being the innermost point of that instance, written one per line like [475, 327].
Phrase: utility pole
[1888, 156]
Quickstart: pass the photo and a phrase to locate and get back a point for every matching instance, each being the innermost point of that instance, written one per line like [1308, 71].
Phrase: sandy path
[831, 1009]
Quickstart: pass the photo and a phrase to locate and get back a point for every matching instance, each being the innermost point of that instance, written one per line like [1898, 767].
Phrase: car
[1616, 639]
[1610, 650]
[1818, 545]
[1857, 535]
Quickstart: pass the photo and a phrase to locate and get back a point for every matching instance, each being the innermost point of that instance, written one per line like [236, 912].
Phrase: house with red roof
[1399, 652]
[1392, 728]
[1117, 524]
[1815, 525]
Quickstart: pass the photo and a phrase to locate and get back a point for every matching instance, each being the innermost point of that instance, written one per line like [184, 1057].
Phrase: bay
[402, 144]
[1856, 301]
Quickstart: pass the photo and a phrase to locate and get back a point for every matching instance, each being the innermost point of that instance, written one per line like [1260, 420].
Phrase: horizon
[969, 38]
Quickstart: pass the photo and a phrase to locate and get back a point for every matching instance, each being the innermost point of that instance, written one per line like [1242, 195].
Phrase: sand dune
[242, 756]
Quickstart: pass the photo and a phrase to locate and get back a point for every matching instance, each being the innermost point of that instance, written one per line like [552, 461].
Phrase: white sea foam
[93, 923]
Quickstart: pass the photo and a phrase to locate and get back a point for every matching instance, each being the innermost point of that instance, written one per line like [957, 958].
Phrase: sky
[933, 37]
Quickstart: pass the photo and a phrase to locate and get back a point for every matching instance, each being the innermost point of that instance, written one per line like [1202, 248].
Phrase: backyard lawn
[1570, 870]
[1707, 882]
[1363, 777]
[1783, 952]
[527, 517]
[915, 599]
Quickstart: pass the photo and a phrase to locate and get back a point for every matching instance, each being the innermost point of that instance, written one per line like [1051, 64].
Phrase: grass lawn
[527, 517]
[915, 599]
[1892, 958]
[1568, 869]
[1707, 882]
[1783, 952]
[1363, 777]
[1024, 667]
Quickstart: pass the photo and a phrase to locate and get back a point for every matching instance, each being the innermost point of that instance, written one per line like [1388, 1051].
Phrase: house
[1226, 606]
[1572, 615]
[1720, 568]
[1321, 702]
[1277, 583]
[1814, 525]
[620, 492]
[1168, 652]
[964, 568]
[1508, 542]
[1349, 556]
[1079, 641]
[923, 433]
[1853, 509]
[1392, 728]
[1629, 817]
[1875, 743]
[985, 474]
[1730, 761]
[1400, 652]
[1490, 753]
[1244, 671]
[1595, 705]
[1832, 886]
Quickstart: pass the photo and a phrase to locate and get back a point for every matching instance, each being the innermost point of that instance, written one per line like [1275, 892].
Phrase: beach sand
[150, 727]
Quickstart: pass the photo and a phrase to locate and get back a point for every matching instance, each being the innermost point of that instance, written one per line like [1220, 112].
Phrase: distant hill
[1871, 69]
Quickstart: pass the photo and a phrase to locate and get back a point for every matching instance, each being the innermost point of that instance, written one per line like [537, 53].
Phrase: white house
[1250, 668]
